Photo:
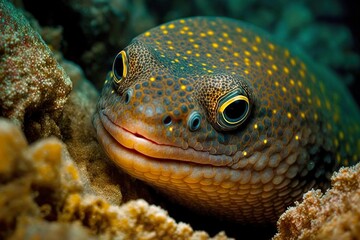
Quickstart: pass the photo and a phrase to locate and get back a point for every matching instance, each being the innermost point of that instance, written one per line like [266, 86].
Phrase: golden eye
[120, 67]
[233, 109]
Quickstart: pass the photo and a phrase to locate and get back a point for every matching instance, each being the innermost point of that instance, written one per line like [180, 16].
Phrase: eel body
[225, 119]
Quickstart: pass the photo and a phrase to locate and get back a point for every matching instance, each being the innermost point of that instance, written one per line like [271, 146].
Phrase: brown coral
[333, 215]
[41, 196]
[31, 80]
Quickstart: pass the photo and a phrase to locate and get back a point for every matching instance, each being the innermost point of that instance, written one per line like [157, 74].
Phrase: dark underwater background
[91, 32]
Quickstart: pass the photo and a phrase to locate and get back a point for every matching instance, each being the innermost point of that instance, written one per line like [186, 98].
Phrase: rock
[32, 83]
[333, 215]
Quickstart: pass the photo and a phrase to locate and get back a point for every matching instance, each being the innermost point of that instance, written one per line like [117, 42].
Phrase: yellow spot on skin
[197, 54]
[298, 99]
[318, 102]
[265, 141]
[274, 111]
[162, 27]
[274, 67]
[284, 89]
[112, 91]
[170, 129]
[182, 21]
[257, 63]
[162, 55]
[270, 57]
[269, 72]
[246, 71]
[152, 79]
[244, 39]
[208, 55]
[258, 39]
[244, 153]
[210, 33]
[177, 54]
[169, 42]
[308, 92]
[185, 28]
[229, 41]
[341, 135]
[239, 30]
[255, 126]
[171, 26]
[204, 64]
[165, 32]
[171, 48]
[190, 65]
[292, 82]
[196, 45]
[293, 62]
[255, 48]
[215, 45]
[222, 60]
[247, 53]
[191, 40]
[316, 117]
[236, 54]
[236, 63]
[302, 65]
[286, 70]
[289, 115]
[147, 34]
[213, 66]
[190, 33]
[202, 35]
[299, 83]
[271, 46]
[183, 87]
[276, 83]
[287, 53]
[296, 137]
[188, 51]
[302, 115]
[225, 48]
[302, 73]
[225, 35]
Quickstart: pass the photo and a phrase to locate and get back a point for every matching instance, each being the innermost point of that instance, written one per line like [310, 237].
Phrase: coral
[333, 215]
[41, 196]
[32, 83]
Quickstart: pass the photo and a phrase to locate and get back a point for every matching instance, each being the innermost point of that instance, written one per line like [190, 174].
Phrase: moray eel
[225, 119]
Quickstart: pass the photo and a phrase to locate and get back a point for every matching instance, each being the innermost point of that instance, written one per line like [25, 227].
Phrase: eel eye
[194, 121]
[120, 67]
[232, 110]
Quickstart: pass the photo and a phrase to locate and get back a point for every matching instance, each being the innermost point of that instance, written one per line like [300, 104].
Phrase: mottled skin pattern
[158, 118]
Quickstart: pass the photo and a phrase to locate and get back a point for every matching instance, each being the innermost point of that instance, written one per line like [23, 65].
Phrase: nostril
[127, 96]
[167, 120]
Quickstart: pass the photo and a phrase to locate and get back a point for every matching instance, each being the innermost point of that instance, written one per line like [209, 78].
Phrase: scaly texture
[333, 215]
[31, 80]
[225, 119]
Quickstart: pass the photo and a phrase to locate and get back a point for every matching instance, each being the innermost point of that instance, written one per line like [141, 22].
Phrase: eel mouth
[119, 140]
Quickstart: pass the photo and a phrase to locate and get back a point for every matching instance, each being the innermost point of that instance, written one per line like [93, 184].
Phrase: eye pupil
[119, 66]
[236, 110]
[233, 109]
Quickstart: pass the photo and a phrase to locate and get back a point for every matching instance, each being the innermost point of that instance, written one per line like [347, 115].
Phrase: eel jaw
[115, 138]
